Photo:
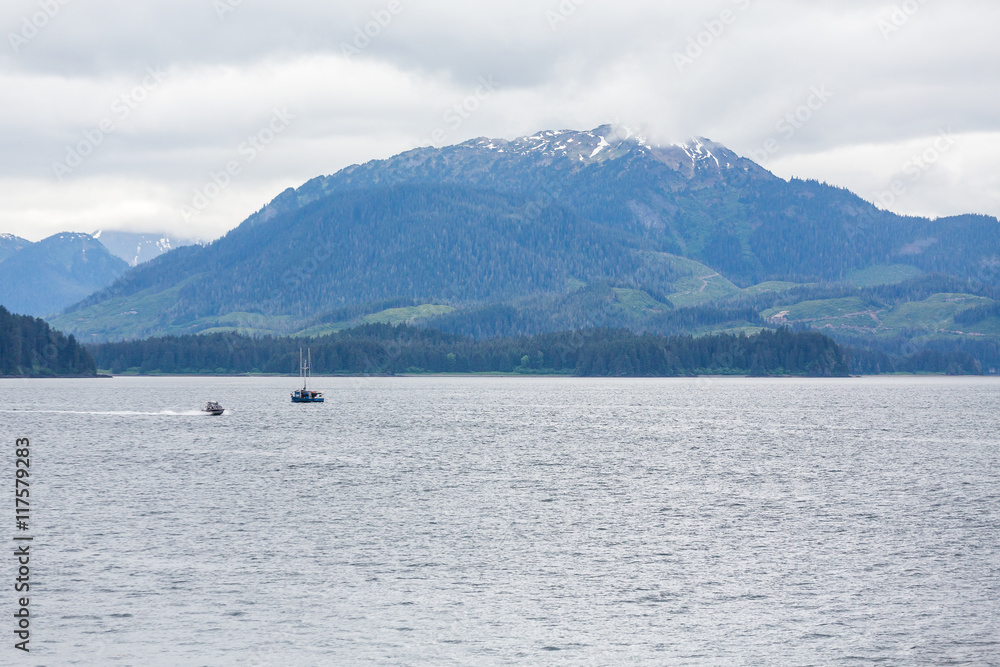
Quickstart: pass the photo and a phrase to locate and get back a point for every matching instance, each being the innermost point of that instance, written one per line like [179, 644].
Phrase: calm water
[510, 521]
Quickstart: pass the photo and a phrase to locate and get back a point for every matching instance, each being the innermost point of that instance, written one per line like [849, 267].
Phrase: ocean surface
[529, 521]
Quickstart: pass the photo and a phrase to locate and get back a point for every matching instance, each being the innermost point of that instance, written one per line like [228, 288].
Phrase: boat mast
[305, 368]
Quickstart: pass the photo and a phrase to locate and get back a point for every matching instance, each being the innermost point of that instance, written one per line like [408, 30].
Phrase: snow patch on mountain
[600, 147]
[138, 248]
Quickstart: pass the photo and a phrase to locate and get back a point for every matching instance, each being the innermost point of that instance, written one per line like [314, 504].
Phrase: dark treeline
[380, 349]
[29, 347]
[984, 350]
[955, 356]
[875, 362]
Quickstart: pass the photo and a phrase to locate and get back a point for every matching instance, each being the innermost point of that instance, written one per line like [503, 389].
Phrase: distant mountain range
[566, 229]
[138, 248]
[43, 278]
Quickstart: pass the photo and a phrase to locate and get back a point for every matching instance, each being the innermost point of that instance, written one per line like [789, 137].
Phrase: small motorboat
[213, 409]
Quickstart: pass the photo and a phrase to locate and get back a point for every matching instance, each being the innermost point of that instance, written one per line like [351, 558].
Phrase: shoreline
[491, 375]
[99, 376]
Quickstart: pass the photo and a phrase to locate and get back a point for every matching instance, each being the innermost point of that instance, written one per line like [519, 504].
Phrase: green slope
[935, 314]
[695, 282]
[892, 274]
[932, 316]
[393, 316]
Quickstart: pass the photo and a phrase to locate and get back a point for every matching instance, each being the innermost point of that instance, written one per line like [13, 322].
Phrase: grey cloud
[562, 63]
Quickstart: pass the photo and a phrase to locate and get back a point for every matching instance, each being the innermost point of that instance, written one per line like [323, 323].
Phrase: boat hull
[307, 396]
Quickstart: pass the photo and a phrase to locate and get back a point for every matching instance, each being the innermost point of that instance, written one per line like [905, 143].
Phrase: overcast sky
[127, 115]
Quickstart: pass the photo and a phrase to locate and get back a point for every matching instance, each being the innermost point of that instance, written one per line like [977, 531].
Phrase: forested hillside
[29, 347]
[448, 242]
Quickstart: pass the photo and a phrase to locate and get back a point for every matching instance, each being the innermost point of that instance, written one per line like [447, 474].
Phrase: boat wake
[124, 413]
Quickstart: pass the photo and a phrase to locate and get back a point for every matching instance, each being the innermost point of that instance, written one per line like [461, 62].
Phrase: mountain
[558, 230]
[698, 200]
[138, 248]
[10, 244]
[45, 277]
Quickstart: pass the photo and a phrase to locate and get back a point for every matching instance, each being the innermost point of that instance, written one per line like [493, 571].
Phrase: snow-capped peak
[610, 142]
[577, 146]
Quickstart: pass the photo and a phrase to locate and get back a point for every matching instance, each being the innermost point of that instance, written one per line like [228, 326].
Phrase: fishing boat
[213, 409]
[305, 395]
